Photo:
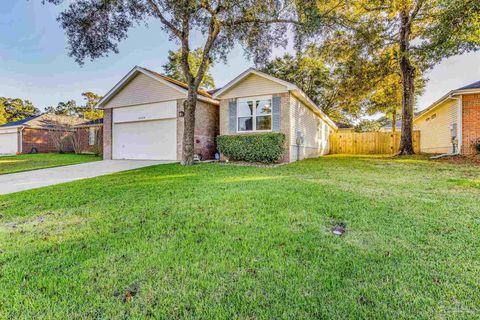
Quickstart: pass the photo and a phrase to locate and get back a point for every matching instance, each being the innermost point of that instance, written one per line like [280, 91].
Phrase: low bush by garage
[263, 147]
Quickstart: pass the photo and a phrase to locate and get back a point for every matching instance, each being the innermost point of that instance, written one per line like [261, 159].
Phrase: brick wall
[470, 123]
[41, 139]
[84, 134]
[107, 134]
[206, 129]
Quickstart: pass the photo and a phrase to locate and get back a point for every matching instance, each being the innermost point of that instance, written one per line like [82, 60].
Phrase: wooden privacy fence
[369, 142]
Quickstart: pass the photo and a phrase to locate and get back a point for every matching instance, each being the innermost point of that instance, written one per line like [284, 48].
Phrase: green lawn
[228, 242]
[27, 162]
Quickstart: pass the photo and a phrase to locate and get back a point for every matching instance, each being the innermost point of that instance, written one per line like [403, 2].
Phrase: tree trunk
[189, 127]
[408, 79]
[394, 121]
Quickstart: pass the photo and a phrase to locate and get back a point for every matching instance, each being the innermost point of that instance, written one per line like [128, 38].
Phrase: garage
[8, 141]
[145, 132]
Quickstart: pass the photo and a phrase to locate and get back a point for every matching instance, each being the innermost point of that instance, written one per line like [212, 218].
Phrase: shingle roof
[475, 85]
[17, 123]
[91, 122]
[178, 83]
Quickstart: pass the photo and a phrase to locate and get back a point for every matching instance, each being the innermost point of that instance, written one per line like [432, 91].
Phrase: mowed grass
[228, 242]
[27, 162]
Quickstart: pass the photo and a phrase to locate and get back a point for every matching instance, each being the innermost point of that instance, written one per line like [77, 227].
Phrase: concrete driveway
[15, 182]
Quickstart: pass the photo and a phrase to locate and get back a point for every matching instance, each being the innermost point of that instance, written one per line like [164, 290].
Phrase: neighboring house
[40, 133]
[343, 127]
[143, 116]
[256, 102]
[451, 124]
[90, 136]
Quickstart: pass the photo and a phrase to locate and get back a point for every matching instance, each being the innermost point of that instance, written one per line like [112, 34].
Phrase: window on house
[254, 115]
[91, 136]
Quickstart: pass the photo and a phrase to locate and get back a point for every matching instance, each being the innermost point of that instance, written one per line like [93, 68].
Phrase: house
[256, 102]
[43, 133]
[143, 116]
[452, 123]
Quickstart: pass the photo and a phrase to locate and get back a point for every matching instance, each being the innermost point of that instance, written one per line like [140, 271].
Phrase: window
[254, 115]
[433, 116]
[91, 136]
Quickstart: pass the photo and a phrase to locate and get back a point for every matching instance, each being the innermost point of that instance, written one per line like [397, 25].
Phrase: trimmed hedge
[262, 147]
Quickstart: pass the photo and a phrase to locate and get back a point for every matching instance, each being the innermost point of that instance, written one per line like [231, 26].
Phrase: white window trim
[91, 136]
[254, 112]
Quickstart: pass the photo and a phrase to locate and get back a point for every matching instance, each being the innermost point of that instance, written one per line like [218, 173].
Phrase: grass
[27, 162]
[227, 242]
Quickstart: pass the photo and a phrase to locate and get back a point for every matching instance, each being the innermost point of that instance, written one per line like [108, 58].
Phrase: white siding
[142, 90]
[312, 128]
[254, 85]
[435, 134]
[153, 111]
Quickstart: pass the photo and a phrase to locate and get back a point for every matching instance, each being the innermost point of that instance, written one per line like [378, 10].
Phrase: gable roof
[246, 73]
[475, 85]
[471, 88]
[172, 83]
[17, 123]
[289, 86]
[46, 121]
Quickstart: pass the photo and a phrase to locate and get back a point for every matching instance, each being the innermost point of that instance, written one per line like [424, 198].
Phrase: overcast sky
[34, 62]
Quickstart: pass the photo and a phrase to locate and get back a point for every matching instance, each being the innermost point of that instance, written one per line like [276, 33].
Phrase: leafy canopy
[173, 68]
[86, 111]
[15, 109]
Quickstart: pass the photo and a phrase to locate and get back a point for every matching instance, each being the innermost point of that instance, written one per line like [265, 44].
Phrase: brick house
[143, 116]
[451, 124]
[48, 133]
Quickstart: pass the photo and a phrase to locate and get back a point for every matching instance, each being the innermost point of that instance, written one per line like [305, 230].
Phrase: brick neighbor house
[49, 133]
[451, 124]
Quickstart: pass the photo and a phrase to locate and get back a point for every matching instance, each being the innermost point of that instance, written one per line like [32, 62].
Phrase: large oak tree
[95, 27]
[422, 32]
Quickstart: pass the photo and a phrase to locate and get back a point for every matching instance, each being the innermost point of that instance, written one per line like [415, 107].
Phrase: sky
[34, 61]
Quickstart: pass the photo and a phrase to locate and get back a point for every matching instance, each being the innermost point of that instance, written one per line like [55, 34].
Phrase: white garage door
[8, 143]
[145, 140]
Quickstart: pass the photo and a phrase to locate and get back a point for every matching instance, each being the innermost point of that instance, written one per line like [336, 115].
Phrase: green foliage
[366, 125]
[234, 242]
[27, 162]
[86, 111]
[477, 146]
[15, 109]
[173, 68]
[262, 147]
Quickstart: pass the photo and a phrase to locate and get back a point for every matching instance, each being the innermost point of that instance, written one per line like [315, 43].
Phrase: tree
[95, 27]
[15, 109]
[422, 33]
[366, 125]
[173, 68]
[89, 110]
[68, 108]
[310, 73]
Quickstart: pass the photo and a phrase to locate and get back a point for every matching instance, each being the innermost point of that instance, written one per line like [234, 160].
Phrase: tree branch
[164, 20]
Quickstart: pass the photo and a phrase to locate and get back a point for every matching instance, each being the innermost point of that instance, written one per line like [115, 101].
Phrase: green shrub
[477, 146]
[262, 147]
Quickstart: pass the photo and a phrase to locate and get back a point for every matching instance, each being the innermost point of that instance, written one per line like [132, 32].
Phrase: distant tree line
[15, 109]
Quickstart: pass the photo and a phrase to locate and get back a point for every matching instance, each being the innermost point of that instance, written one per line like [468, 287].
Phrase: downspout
[459, 123]
[20, 140]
